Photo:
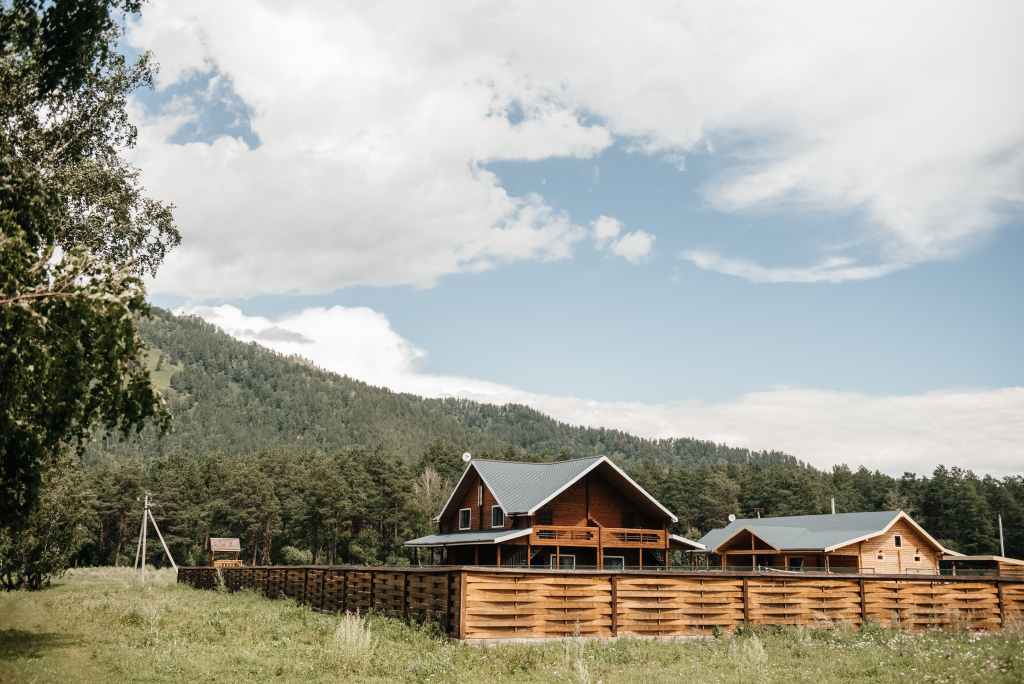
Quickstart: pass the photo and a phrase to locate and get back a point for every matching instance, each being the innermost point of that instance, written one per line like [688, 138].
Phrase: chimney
[833, 506]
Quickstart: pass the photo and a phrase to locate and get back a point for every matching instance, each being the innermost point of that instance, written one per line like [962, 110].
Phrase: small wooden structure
[215, 545]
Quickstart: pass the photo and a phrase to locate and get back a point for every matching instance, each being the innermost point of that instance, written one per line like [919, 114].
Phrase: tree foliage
[33, 553]
[76, 231]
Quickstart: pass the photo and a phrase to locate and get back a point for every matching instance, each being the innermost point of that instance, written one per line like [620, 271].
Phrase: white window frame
[621, 558]
[470, 525]
[897, 539]
[502, 525]
[557, 561]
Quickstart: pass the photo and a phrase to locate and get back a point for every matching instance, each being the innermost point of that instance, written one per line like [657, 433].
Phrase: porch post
[667, 544]
[499, 554]
[476, 555]
[528, 558]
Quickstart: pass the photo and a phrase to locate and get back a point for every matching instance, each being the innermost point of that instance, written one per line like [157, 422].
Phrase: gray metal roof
[522, 487]
[519, 487]
[474, 537]
[807, 531]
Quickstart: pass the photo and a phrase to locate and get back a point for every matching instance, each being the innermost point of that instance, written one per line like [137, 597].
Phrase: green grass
[99, 626]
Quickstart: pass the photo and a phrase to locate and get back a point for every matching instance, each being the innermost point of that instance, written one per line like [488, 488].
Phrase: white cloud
[605, 229]
[635, 247]
[981, 429]
[375, 118]
[832, 270]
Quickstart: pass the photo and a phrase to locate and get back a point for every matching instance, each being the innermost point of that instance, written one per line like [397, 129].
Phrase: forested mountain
[303, 465]
[232, 397]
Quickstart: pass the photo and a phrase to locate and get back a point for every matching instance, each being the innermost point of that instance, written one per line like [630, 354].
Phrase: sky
[791, 226]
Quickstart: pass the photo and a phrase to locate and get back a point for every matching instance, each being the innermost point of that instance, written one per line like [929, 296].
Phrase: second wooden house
[585, 512]
[879, 542]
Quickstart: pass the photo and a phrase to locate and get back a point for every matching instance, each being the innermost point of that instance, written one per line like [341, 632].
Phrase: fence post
[746, 599]
[615, 605]
[405, 594]
[462, 605]
[863, 603]
[448, 603]
[1002, 604]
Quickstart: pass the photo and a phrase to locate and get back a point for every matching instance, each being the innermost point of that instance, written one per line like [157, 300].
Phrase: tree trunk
[117, 554]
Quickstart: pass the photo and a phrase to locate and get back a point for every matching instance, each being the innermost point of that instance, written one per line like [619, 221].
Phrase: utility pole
[147, 513]
[1002, 549]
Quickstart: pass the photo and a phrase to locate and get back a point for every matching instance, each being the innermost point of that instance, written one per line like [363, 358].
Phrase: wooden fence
[499, 603]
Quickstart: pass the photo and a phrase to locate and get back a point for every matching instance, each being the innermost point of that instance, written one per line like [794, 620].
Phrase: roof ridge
[568, 460]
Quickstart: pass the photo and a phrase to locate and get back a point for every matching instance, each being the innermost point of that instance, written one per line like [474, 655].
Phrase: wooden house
[584, 512]
[215, 545]
[880, 542]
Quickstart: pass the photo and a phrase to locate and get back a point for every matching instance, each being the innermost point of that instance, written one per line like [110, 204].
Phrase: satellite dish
[732, 517]
[466, 456]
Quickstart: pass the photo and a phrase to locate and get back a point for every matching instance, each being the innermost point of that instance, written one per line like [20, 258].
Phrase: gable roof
[813, 532]
[223, 544]
[523, 488]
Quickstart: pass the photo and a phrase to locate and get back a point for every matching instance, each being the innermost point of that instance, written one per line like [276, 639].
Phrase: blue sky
[752, 241]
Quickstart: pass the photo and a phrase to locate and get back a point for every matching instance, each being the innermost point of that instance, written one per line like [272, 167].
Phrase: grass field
[99, 626]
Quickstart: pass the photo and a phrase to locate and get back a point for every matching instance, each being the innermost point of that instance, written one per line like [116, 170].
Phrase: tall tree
[70, 355]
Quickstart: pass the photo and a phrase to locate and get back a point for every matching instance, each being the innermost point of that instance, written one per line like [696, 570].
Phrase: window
[465, 518]
[898, 541]
[567, 561]
[614, 562]
[917, 558]
[796, 563]
[545, 517]
[628, 519]
[497, 517]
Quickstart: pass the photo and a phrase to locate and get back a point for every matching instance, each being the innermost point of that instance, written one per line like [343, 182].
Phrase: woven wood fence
[489, 603]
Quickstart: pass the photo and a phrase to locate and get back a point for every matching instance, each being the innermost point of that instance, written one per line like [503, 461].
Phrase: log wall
[493, 603]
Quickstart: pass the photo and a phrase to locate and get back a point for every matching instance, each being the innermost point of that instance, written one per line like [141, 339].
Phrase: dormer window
[898, 541]
[465, 518]
[497, 517]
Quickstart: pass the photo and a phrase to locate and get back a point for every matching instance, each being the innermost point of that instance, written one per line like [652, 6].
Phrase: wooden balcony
[559, 535]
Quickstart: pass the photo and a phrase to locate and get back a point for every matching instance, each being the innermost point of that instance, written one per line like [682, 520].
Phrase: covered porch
[553, 546]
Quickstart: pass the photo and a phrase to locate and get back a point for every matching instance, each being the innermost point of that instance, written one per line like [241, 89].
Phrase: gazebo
[215, 545]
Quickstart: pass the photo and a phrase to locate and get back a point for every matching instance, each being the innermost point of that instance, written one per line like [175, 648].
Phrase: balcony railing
[594, 536]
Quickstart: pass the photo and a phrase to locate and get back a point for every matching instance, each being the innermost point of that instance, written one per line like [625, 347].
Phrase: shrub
[293, 556]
